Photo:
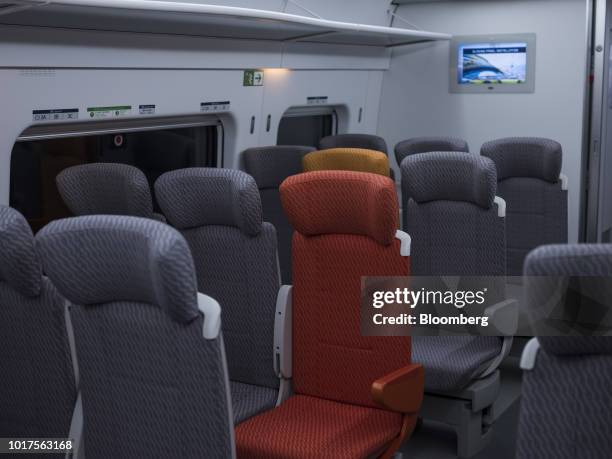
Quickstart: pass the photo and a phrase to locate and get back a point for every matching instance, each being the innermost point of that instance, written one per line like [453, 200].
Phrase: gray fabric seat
[37, 386]
[106, 189]
[417, 145]
[219, 213]
[449, 211]
[566, 407]
[153, 377]
[528, 174]
[269, 166]
[457, 229]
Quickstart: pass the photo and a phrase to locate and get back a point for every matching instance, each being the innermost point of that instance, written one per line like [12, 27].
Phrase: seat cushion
[249, 400]
[307, 427]
[451, 362]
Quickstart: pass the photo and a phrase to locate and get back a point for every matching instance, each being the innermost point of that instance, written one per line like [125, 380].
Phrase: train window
[302, 128]
[37, 159]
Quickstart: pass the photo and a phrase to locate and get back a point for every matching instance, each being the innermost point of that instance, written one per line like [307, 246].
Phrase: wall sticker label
[58, 114]
[148, 109]
[109, 112]
[213, 107]
[318, 100]
[253, 78]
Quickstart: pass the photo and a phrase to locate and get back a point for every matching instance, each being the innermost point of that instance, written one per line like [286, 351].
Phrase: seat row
[138, 352]
[528, 169]
[450, 211]
[148, 348]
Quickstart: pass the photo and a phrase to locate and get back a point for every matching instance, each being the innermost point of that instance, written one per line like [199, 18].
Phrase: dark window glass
[35, 164]
[304, 130]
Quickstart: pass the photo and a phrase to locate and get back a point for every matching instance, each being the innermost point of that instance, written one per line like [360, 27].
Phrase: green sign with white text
[253, 78]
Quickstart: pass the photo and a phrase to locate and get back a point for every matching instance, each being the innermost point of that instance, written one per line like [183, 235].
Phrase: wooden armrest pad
[401, 390]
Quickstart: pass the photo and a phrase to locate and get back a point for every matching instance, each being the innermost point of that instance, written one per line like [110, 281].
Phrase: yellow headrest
[347, 159]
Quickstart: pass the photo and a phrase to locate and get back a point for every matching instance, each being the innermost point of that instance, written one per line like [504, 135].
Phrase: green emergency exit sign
[253, 78]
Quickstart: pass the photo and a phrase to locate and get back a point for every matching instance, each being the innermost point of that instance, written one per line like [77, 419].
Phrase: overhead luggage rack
[151, 16]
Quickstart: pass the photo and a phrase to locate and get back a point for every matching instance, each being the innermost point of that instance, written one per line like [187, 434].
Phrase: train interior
[196, 194]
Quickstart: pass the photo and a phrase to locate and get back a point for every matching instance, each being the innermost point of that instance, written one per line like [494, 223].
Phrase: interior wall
[416, 101]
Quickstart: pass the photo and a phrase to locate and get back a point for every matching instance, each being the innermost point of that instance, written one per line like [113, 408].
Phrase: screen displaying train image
[492, 63]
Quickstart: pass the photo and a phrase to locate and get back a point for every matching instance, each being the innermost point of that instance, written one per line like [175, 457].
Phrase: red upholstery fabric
[342, 202]
[333, 414]
[330, 357]
[307, 427]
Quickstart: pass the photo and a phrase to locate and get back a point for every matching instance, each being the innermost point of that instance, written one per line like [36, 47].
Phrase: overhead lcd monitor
[498, 63]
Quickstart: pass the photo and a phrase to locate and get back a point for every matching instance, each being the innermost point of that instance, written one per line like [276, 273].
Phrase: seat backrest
[151, 360]
[450, 213]
[528, 174]
[345, 228]
[269, 166]
[347, 159]
[37, 386]
[218, 211]
[106, 189]
[417, 145]
[566, 399]
[364, 141]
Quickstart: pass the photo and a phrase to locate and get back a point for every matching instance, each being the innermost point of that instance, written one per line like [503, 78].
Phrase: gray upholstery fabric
[525, 157]
[269, 166]
[239, 269]
[426, 144]
[249, 400]
[587, 266]
[455, 238]
[449, 176]
[566, 408]
[528, 172]
[209, 196]
[37, 388]
[19, 264]
[106, 188]
[452, 362]
[151, 385]
[131, 259]
[241, 272]
[367, 141]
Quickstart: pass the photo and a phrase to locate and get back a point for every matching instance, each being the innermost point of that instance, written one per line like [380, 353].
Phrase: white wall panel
[416, 99]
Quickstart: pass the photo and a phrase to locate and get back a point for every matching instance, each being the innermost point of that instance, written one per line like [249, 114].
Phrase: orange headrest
[347, 159]
[341, 202]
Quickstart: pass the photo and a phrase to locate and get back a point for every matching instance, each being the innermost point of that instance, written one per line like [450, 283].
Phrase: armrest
[282, 333]
[401, 390]
[503, 316]
[405, 242]
[211, 310]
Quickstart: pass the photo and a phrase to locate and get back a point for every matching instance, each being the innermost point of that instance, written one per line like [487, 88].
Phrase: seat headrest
[525, 157]
[269, 166]
[101, 259]
[365, 141]
[105, 188]
[449, 176]
[19, 263]
[417, 145]
[347, 159]
[209, 196]
[341, 202]
[591, 261]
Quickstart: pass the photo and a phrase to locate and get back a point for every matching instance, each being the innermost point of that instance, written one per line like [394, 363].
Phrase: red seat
[321, 428]
[355, 396]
